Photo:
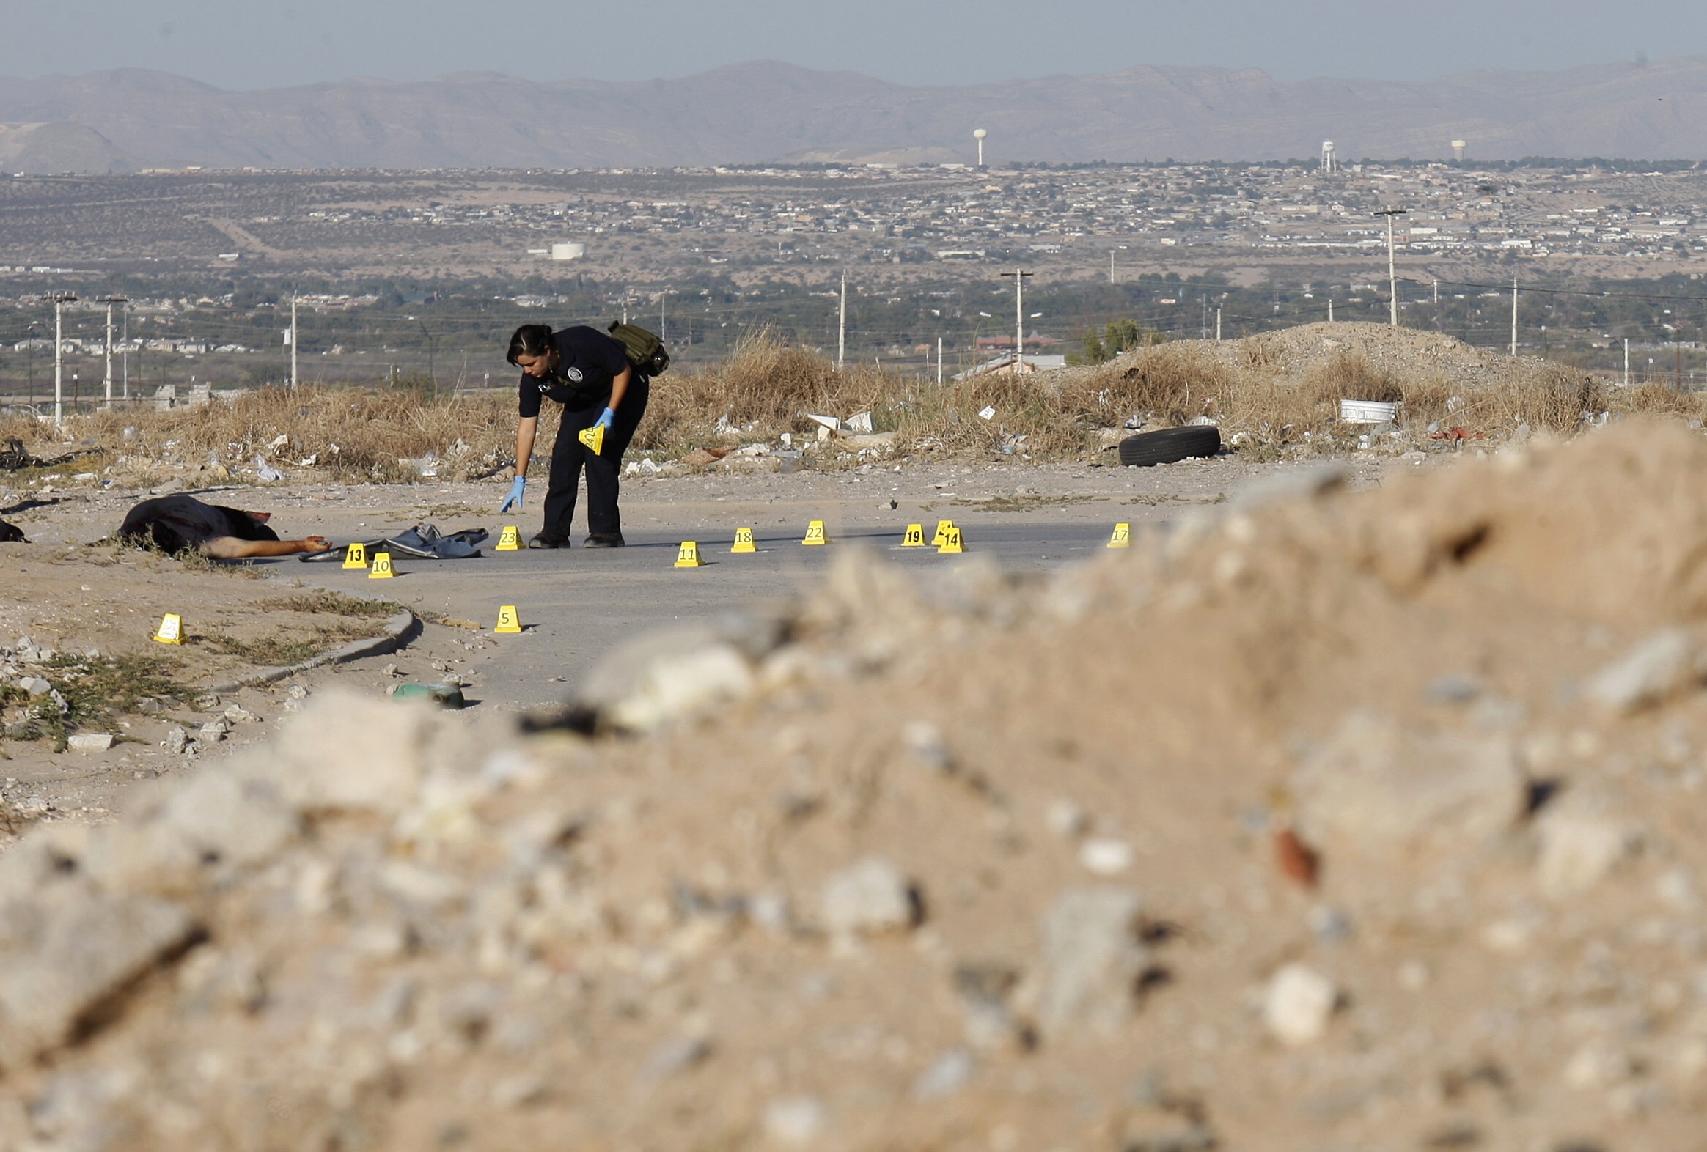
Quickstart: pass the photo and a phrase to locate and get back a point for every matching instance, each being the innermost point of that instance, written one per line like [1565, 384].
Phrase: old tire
[1170, 444]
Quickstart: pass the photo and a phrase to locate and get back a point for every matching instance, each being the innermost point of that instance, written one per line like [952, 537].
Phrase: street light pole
[1392, 268]
[109, 301]
[293, 341]
[60, 299]
[1019, 275]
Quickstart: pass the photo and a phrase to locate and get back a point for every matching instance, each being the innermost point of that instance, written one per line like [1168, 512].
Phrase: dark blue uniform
[588, 361]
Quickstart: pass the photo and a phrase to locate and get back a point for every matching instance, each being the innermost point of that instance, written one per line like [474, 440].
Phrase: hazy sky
[236, 44]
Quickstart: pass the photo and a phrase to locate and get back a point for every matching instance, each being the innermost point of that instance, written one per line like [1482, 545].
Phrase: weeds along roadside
[766, 388]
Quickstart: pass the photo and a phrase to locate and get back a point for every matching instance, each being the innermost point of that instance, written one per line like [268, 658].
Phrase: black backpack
[646, 351]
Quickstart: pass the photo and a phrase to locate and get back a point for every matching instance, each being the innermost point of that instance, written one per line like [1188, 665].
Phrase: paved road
[575, 603]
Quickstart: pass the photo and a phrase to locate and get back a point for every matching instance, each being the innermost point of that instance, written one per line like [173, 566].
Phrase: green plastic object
[444, 695]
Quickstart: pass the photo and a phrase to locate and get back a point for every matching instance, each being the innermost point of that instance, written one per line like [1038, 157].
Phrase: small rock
[1105, 857]
[1581, 842]
[35, 685]
[945, 1077]
[521, 1091]
[177, 739]
[207, 703]
[1329, 924]
[673, 1057]
[1376, 789]
[1656, 668]
[1067, 820]
[691, 684]
[212, 732]
[64, 958]
[1454, 689]
[795, 1120]
[925, 741]
[237, 714]
[1298, 1004]
[983, 990]
[296, 692]
[90, 742]
[1092, 959]
[868, 898]
[32, 807]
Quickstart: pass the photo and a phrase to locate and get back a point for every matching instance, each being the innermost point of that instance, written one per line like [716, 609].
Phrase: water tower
[979, 134]
[1327, 157]
[1458, 147]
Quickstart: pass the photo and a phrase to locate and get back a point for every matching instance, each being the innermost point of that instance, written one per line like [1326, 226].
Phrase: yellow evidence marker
[915, 537]
[355, 556]
[951, 544]
[941, 537]
[381, 569]
[1122, 536]
[171, 630]
[744, 545]
[815, 533]
[593, 438]
[688, 555]
[510, 539]
[509, 624]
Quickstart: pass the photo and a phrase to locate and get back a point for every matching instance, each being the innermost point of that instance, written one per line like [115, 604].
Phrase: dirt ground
[69, 591]
[1319, 819]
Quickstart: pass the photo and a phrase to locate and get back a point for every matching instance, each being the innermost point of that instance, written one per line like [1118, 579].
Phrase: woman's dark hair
[530, 340]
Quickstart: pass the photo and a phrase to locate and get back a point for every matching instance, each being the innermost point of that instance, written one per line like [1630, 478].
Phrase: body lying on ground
[180, 524]
[11, 534]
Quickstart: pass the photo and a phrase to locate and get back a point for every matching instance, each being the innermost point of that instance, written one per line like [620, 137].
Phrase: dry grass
[763, 389]
[1351, 377]
[767, 386]
[95, 691]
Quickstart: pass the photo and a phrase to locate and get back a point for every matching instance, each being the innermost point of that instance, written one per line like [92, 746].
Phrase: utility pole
[1111, 265]
[1514, 315]
[1626, 361]
[1019, 275]
[109, 301]
[663, 302]
[293, 341]
[1330, 309]
[124, 348]
[1392, 268]
[1217, 323]
[842, 325]
[939, 361]
[60, 299]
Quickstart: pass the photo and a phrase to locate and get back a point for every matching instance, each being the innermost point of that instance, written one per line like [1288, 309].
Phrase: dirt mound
[1294, 355]
[1403, 352]
[1328, 821]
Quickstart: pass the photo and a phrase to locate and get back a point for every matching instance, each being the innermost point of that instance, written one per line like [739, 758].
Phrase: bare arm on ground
[231, 548]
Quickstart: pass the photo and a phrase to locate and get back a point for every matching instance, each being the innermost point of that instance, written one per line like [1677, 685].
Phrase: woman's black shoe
[603, 540]
[544, 541]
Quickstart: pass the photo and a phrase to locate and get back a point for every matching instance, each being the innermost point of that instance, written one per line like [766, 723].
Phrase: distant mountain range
[765, 111]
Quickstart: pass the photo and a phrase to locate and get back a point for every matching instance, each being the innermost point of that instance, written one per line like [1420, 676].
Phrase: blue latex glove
[514, 499]
[605, 418]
